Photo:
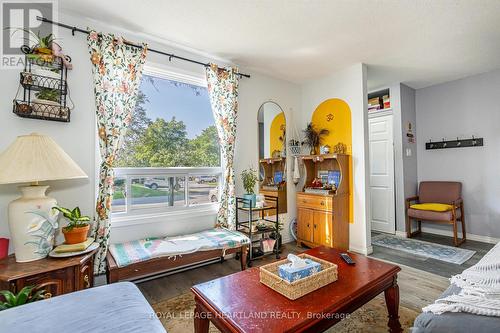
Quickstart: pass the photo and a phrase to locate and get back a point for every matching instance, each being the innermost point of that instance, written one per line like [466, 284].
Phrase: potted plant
[23, 296]
[313, 138]
[249, 177]
[47, 96]
[78, 226]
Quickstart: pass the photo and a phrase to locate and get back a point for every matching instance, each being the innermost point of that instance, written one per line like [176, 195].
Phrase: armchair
[450, 207]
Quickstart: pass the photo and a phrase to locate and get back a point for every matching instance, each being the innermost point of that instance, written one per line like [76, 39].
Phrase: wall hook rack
[458, 143]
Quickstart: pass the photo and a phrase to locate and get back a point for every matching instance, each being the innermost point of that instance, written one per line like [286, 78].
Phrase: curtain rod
[169, 55]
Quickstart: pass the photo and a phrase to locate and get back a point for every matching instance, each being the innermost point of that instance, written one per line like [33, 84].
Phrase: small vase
[313, 151]
[253, 199]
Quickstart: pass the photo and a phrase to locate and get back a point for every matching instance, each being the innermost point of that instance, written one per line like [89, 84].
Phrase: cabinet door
[322, 228]
[304, 223]
[85, 276]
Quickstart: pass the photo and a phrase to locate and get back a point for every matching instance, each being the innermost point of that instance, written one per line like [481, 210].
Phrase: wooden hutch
[270, 166]
[323, 218]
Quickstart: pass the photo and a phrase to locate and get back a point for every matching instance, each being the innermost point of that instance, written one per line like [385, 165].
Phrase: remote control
[347, 259]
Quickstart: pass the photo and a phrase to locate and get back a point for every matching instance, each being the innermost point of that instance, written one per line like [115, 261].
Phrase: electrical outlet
[408, 152]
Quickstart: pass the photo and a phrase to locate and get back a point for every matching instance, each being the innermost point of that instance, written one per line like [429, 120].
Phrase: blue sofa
[118, 307]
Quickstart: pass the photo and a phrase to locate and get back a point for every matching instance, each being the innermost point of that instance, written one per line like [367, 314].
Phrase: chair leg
[419, 226]
[408, 226]
[455, 236]
[462, 219]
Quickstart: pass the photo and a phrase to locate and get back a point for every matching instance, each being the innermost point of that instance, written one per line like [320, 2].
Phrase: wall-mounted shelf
[458, 143]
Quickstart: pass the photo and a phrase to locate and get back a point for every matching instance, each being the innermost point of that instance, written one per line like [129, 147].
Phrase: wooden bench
[156, 266]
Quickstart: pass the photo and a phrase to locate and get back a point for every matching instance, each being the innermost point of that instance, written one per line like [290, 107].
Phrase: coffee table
[240, 303]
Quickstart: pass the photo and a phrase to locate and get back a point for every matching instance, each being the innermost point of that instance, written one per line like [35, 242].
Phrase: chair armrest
[409, 201]
[457, 203]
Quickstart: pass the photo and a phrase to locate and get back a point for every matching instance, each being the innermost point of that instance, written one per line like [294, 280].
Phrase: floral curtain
[117, 70]
[223, 92]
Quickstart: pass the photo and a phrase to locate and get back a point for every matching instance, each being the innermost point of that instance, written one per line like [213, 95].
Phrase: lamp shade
[34, 158]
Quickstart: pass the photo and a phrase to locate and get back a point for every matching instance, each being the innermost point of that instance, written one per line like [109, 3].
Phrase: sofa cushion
[435, 207]
[115, 308]
[428, 215]
[456, 322]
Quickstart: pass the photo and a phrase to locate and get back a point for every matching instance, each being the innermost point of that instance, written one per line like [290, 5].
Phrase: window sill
[194, 212]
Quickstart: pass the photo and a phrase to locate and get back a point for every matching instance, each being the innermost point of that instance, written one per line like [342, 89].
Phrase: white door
[382, 174]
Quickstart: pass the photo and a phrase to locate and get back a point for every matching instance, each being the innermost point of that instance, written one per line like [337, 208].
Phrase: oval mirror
[272, 153]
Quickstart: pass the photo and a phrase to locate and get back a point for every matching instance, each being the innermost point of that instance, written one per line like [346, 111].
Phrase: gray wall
[464, 108]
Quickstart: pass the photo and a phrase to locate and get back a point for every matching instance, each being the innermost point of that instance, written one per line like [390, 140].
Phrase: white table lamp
[32, 159]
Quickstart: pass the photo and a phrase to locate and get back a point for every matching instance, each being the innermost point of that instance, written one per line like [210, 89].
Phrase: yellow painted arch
[335, 116]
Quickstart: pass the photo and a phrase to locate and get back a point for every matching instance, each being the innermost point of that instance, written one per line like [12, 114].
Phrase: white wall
[464, 108]
[77, 138]
[349, 85]
[252, 94]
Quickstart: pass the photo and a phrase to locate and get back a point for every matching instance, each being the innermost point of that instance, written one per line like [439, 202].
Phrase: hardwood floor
[174, 285]
[414, 294]
[432, 265]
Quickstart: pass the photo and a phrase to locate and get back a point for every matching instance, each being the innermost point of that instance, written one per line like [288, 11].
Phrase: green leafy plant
[313, 137]
[75, 217]
[249, 177]
[48, 94]
[24, 296]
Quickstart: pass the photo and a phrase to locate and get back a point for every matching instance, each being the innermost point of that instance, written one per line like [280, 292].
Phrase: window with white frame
[170, 157]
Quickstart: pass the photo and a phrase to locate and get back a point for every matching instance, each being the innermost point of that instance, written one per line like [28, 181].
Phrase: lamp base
[32, 223]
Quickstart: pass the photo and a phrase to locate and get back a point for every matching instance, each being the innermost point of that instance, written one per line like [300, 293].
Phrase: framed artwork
[334, 177]
[278, 177]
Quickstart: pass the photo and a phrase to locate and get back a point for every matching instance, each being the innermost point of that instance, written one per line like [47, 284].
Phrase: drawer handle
[87, 281]
[315, 226]
[322, 203]
[136, 270]
[308, 225]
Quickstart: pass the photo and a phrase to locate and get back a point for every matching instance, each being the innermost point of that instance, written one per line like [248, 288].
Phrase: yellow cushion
[435, 207]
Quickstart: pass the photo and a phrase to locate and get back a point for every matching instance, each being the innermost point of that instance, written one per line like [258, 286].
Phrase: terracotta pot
[76, 235]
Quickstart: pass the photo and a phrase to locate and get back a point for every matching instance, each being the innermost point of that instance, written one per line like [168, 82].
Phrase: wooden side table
[56, 276]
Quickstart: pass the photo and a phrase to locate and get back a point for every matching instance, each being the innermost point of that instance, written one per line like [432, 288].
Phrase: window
[170, 157]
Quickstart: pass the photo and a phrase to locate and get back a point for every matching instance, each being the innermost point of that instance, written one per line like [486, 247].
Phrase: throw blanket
[144, 249]
[480, 292]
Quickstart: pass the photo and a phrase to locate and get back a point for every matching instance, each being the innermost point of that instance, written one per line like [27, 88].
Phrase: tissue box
[287, 272]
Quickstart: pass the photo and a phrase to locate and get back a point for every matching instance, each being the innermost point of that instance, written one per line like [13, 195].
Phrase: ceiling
[417, 42]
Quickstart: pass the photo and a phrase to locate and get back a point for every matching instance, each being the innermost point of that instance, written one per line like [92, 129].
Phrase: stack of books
[374, 104]
[79, 247]
[387, 101]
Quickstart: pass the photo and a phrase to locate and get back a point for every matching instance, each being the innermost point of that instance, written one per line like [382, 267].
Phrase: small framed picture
[323, 176]
[278, 177]
[334, 177]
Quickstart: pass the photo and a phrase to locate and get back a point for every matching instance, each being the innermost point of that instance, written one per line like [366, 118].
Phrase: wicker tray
[293, 290]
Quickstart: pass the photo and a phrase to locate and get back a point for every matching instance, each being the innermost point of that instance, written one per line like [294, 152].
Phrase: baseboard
[449, 233]
[401, 234]
[362, 250]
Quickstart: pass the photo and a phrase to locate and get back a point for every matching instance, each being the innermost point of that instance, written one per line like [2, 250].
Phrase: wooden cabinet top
[11, 270]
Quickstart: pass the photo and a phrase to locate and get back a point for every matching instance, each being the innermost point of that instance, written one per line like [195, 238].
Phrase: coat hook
[73, 30]
[170, 58]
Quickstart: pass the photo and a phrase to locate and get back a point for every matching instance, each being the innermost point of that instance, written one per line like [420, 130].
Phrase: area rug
[176, 315]
[445, 253]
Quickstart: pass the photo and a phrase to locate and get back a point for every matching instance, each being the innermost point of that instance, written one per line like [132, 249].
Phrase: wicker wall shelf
[36, 110]
[45, 88]
[38, 82]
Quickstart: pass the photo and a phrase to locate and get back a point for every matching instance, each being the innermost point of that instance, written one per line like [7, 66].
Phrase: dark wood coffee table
[240, 303]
